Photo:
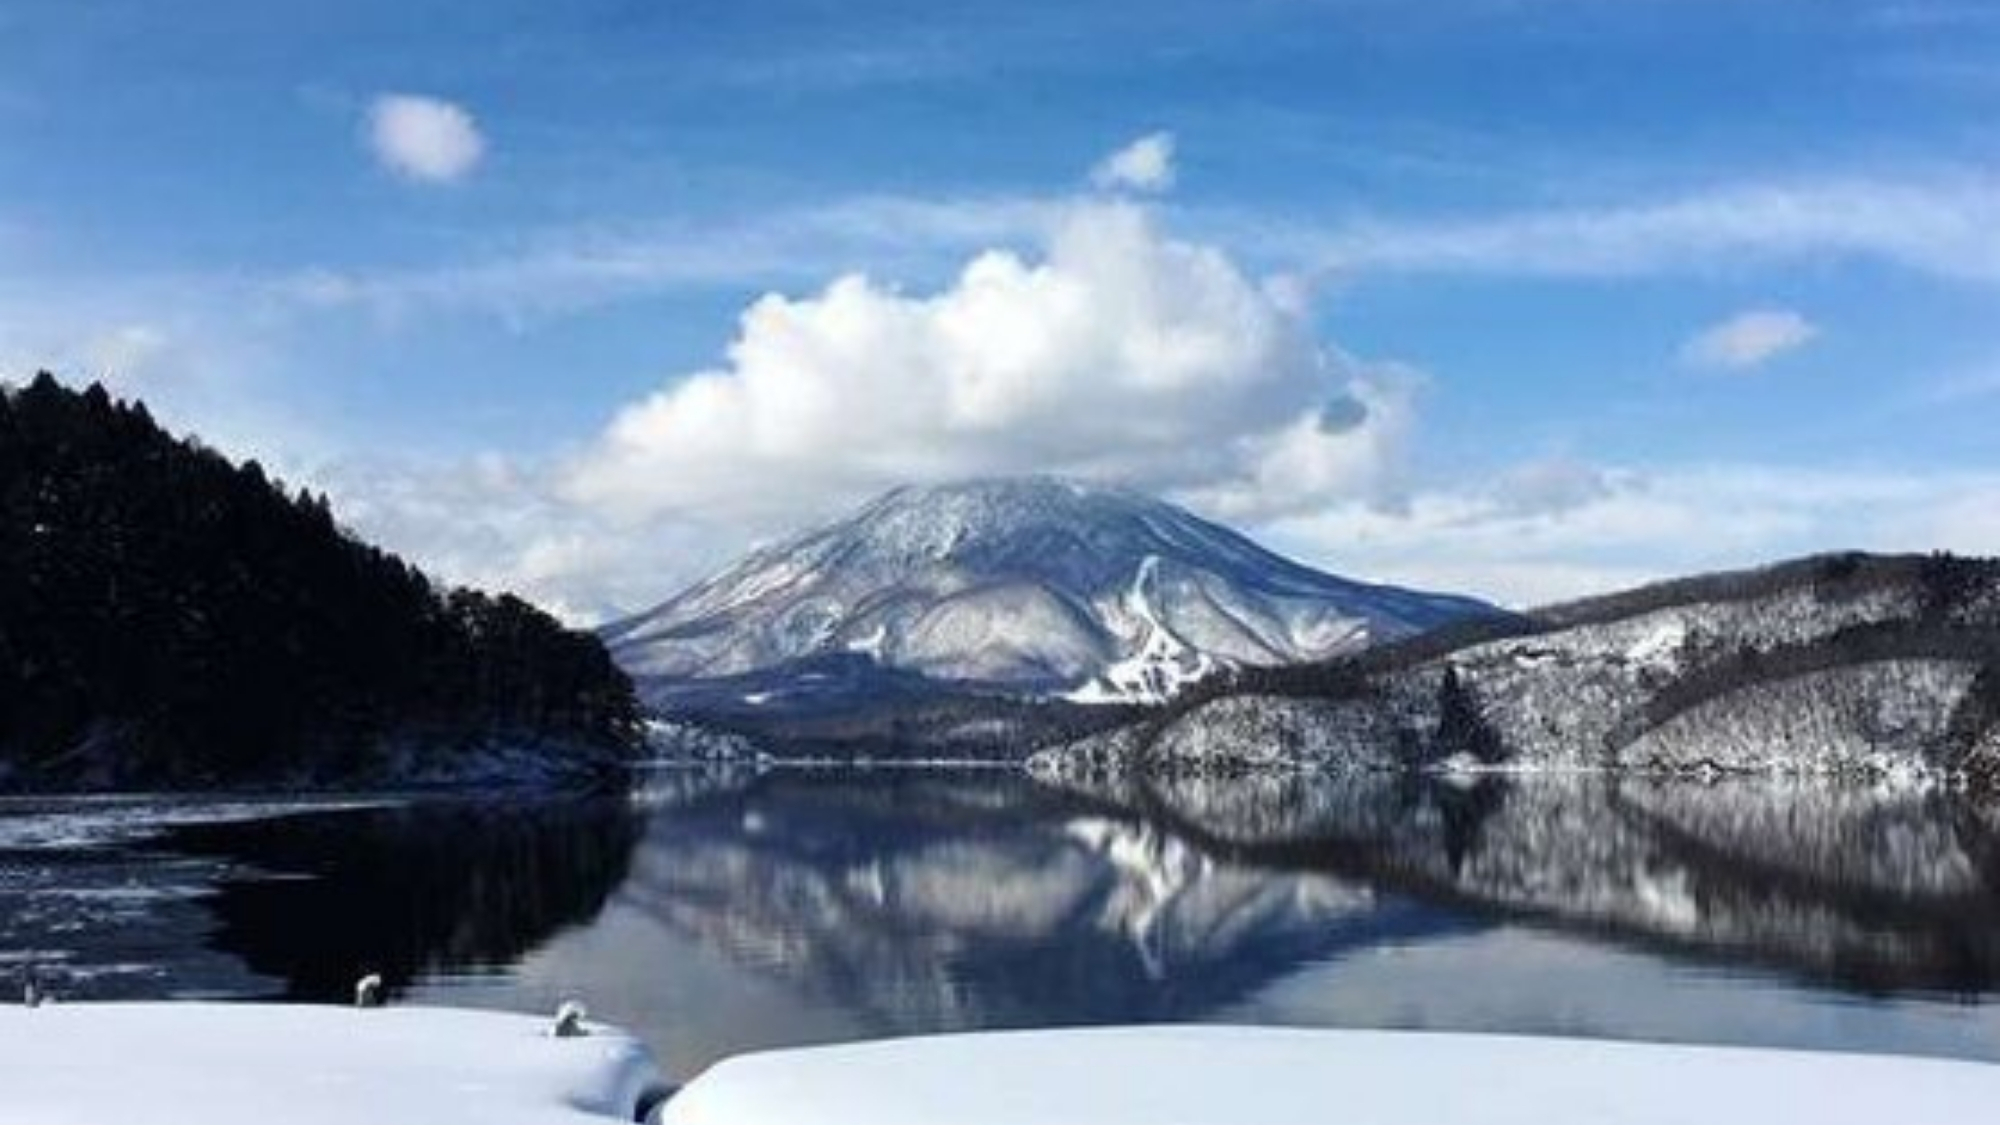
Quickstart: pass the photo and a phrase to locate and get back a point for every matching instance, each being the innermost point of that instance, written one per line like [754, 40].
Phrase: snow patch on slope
[1163, 663]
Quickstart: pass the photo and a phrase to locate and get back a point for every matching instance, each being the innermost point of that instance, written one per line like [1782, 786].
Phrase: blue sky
[1525, 297]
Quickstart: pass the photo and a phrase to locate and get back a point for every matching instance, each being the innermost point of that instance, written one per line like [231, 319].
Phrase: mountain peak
[1034, 584]
[995, 522]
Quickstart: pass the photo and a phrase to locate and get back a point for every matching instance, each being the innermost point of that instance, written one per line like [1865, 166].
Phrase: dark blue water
[713, 914]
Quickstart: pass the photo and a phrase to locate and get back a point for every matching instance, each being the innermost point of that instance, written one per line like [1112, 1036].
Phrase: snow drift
[254, 1064]
[1243, 1076]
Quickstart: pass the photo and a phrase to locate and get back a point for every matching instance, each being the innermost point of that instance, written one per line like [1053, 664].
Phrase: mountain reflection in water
[719, 914]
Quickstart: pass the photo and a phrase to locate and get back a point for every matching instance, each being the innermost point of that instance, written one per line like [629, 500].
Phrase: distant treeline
[1944, 584]
[170, 618]
[1942, 610]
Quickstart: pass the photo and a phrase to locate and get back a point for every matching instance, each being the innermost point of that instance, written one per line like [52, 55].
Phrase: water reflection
[802, 908]
[408, 889]
[1874, 889]
[946, 902]
[723, 913]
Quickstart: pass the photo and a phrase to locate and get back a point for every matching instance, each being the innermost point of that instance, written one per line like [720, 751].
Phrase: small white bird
[368, 991]
[31, 988]
[569, 1020]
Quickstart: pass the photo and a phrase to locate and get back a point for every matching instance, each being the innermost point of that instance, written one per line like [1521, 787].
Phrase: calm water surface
[714, 914]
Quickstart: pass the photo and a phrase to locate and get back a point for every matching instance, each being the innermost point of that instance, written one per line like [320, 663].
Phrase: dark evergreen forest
[168, 618]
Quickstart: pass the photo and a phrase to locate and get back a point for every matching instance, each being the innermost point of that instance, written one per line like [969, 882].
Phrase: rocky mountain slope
[1036, 588]
[1837, 664]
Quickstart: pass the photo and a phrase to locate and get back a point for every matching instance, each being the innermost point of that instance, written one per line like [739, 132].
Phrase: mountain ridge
[1850, 664]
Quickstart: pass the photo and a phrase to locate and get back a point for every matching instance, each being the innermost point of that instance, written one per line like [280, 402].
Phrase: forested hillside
[1843, 663]
[168, 618]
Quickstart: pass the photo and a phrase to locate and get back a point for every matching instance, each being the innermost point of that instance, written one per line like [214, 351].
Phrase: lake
[713, 913]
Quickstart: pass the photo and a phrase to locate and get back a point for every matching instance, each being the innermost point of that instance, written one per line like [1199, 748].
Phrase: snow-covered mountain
[1033, 586]
[1844, 664]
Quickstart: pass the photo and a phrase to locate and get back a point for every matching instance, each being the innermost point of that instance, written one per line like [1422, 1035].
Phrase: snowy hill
[1846, 664]
[1036, 587]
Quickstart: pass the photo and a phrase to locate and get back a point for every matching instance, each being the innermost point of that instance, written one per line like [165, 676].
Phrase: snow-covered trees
[1843, 663]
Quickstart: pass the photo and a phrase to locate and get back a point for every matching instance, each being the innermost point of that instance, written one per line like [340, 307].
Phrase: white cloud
[1549, 486]
[564, 270]
[1625, 526]
[423, 138]
[1946, 225]
[1118, 354]
[1749, 339]
[129, 357]
[126, 353]
[1542, 531]
[1146, 165]
[1115, 352]
[1353, 446]
[497, 524]
[184, 381]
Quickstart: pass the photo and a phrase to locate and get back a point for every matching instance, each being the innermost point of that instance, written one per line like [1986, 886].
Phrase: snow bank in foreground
[260, 1064]
[1240, 1076]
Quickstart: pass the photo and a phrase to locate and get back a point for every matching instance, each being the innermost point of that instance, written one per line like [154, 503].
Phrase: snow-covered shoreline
[254, 1064]
[1191, 1075]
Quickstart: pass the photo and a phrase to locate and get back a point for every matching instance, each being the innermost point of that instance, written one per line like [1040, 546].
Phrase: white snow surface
[1037, 584]
[258, 1064]
[1242, 1076]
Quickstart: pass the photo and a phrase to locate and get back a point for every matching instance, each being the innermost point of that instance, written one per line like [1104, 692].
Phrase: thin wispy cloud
[1617, 526]
[196, 367]
[570, 269]
[1948, 226]
[662, 178]
[1748, 340]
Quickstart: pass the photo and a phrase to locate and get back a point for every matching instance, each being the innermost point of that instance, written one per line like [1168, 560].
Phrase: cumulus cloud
[422, 138]
[1145, 165]
[1749, 339]
[1117, 353]
[1114, 351]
